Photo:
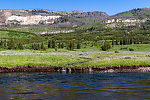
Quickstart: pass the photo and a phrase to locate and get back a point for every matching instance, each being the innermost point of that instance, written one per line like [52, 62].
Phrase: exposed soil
[122, 68]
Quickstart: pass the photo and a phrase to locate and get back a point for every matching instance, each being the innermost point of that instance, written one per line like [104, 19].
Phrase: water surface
[57, 86]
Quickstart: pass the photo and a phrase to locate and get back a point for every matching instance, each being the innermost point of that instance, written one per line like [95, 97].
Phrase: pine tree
[43, 47]
[117, 42]
[78, 46]
[20, 46]
[112, 42]
[62, 45]
[124, 42]
[121, 42]
[1, 43]
[105, 46]
[59, 45]
[11, 44]
[53, 44]
[131, 41]
[70, 46]
[49, 44]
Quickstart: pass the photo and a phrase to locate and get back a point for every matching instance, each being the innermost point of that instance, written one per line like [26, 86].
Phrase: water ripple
[57, 86]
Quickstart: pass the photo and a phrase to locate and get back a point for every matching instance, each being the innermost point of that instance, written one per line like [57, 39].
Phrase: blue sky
[109, 6]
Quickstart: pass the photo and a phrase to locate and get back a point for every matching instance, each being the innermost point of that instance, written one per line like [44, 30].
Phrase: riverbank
[31, 68]
[27, 61]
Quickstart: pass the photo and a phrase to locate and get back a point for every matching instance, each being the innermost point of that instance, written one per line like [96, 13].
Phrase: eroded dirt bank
[122, 68]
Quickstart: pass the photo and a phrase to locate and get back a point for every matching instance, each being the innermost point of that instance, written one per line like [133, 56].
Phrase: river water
[59, 86]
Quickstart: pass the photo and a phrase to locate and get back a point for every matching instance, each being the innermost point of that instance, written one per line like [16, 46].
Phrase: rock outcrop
[31, 20]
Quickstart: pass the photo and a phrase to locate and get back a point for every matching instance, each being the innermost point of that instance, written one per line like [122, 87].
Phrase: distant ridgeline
[43, 17]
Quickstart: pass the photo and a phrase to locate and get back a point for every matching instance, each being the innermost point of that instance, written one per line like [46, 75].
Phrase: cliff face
[31, 20]
[14, 18]
[129, 20]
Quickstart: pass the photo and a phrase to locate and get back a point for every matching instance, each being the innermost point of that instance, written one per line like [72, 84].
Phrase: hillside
[7, 37]
[43, 17]
[133, 17]
[136, 13]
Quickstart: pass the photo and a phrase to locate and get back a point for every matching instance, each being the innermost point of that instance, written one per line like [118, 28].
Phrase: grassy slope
[20, 36]
[140, 13]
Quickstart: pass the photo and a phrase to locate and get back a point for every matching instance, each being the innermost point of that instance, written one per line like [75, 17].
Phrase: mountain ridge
[43, 16]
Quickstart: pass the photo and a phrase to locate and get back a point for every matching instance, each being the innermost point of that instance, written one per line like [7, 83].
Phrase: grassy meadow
[76, 59]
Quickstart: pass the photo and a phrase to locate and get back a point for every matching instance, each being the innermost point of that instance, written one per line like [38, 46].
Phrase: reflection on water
[57, 86]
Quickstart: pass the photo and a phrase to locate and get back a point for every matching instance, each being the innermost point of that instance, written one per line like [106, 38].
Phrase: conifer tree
[131, 41]
[105, 46]
[70, 46]
[121, 42]
[43, 47]
[59, 45]
[49, 44]
[78, 45]
[117, 42]
[11, 44]
[20, 46]
[53, 44]
[112, 42]
[62, 45]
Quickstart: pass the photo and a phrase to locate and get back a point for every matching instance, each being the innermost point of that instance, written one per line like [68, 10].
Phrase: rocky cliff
[23, 18]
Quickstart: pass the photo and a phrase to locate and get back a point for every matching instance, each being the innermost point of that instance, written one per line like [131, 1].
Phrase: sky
[111, 7]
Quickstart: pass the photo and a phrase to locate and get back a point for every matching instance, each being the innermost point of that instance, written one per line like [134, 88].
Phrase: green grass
[127, 14]
[53, 60]
[76, 60]
[37, 29]
[136, 47]
[117, 62]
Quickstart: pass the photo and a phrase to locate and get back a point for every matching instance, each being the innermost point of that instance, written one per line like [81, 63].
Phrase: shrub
[116, 51]
[131, 49]
[105, 46]
[124, 48]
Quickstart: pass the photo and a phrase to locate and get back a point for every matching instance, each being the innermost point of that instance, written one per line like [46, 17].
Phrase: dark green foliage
[53, 44]
[106, 46]
[116, 51]
[49, 44]
[113, 42]
[20, 46]
[59, 45]
[71, 45]
[117, 42]
[131, 49]
[124, 42]
[78, 45]
[121, 42]
[11, 44]
[36, 46]
[131, 41]
[62, 45]
[43, 47]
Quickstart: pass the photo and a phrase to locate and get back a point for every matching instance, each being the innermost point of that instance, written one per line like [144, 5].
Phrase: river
[76, 86]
